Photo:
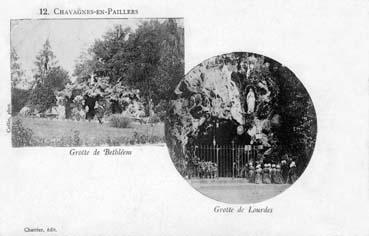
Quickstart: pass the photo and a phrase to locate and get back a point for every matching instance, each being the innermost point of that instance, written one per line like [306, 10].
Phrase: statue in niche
[250, 99]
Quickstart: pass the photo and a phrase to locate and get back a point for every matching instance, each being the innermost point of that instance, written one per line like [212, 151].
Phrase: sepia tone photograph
[242, 128]
[93, 82]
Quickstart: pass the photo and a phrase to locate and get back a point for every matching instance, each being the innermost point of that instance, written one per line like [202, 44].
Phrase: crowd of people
[267, 173]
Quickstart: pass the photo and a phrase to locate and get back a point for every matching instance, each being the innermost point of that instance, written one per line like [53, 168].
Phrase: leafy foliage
[297, 133]
[76, 140]
[15, 68]
[158, 65]
[19, 97]
[45, 61]
[49, 79]
[21, 136]
[57, 78]
[150, 59]
[207, 169]
[42, 97]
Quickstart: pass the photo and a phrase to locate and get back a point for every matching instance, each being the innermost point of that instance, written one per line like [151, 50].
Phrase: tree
[150, 59]
[49, 78]
[19, 97]
[157, 59]
[57, 78]
[85, 66]
[45, 61]
[298, 129]
[108, 56]
[144, 60]
[17, 73]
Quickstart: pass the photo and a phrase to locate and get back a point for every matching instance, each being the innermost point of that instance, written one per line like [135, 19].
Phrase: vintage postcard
[184, 118]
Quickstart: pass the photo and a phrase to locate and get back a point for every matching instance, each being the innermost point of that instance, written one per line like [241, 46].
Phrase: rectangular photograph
[93, 82]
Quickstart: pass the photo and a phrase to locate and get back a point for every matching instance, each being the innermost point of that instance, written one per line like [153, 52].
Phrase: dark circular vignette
[197, 121]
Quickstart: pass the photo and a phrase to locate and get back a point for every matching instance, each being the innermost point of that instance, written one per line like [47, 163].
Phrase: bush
[207, 169]
[42, 97]
[120, 121]
[76, 140]
[21, 136]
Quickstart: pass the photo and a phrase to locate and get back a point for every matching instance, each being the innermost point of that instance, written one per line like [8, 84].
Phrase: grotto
[228, 101]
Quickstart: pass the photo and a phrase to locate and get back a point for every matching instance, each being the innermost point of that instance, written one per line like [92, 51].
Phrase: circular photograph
[241, 128]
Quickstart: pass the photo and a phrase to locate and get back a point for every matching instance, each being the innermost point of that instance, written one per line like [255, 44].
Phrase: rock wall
[216, 91]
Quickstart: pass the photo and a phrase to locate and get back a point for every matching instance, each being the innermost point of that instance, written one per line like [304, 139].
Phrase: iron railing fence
[213, 161]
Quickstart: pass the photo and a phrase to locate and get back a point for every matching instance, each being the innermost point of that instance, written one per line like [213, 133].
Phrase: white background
[325, 43]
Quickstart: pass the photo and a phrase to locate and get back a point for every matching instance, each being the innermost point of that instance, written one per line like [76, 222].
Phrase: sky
[68, 38]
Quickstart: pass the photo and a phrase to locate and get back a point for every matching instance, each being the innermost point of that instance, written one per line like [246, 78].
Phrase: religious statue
[250, 98]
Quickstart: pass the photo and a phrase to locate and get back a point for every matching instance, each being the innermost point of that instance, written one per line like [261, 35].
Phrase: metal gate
[213, 161]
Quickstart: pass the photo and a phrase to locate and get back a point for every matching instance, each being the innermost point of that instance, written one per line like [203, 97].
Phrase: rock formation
[212, 101]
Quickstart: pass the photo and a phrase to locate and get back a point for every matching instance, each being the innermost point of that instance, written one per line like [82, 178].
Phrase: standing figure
[89, 113]
[266, 174]
[292, 173]
[250, 98]
[273, 174]
[99, 111]
[60, 108]
[278, 175]
[258, 175]
[270, 172]
[245, 171]
[284, 170]
[251, 174]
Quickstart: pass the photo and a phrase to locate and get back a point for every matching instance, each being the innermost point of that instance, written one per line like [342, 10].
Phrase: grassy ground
[238, 192]
[88, 131]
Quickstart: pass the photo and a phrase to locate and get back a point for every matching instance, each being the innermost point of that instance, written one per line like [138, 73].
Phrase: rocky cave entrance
[90, 102]
[223, 131]
[218, 141]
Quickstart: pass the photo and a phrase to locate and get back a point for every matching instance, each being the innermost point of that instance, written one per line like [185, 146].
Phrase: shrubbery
[119, 121]
[207, 169]
[42, 97]
[21, 136]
